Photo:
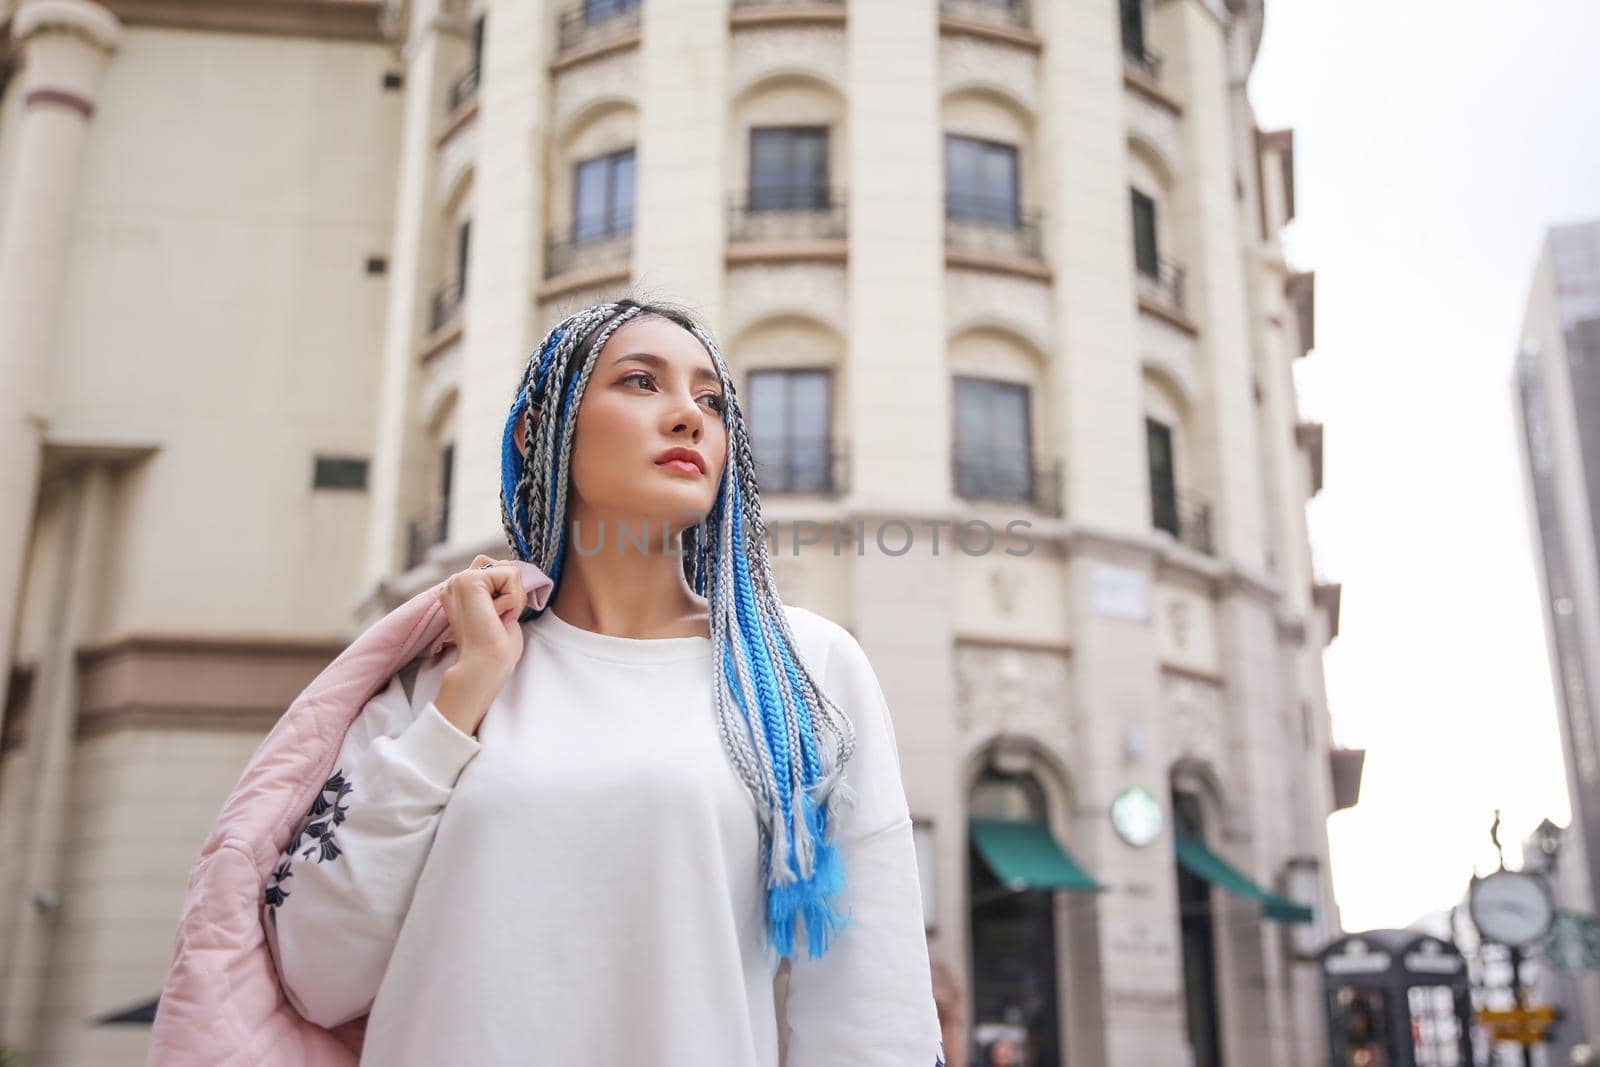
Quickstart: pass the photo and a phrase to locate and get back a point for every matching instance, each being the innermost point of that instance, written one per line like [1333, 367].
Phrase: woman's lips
[679, 465]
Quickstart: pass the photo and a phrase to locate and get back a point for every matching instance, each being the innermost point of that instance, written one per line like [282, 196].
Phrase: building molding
[1147, 87]
[799, 14]
[825, 251]
[1014, 36]
[345, 20]
[584, 53]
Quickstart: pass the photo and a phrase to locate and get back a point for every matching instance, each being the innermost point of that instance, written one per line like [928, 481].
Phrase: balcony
[1142, 61]
[1161, 289]
[424, 531]
[786, 214]
[995, 230]
[590, 247]
[463, 91]
[445, 305]
[1011, 14]
[1186, 518]
[801, 463]
[1017, 481]
[596, 23]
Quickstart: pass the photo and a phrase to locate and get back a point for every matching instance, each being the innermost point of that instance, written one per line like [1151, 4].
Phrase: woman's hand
[483, 605]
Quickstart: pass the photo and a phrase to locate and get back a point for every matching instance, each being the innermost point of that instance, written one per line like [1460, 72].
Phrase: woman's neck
[624, 590]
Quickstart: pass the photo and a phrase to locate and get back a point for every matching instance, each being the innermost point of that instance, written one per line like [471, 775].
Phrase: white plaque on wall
[1120, 592]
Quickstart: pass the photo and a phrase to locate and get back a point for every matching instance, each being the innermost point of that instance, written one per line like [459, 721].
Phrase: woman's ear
[520, 435]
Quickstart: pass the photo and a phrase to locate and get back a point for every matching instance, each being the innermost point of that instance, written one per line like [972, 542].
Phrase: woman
[590, 835]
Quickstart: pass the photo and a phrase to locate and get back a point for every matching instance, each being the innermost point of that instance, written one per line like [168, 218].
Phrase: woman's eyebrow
[650, 359]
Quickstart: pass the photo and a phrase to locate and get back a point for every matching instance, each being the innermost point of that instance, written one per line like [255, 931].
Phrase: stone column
[508, 196]
[47, 760]
[395, 459]
[683, 112]
[66, 45]
[899, 387]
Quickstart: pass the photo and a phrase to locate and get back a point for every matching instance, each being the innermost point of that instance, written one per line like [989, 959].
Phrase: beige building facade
[268, 274]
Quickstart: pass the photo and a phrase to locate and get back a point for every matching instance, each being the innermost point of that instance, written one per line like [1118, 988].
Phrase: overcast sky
[1434, 142]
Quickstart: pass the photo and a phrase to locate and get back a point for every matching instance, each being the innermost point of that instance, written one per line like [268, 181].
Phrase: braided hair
[785, 738]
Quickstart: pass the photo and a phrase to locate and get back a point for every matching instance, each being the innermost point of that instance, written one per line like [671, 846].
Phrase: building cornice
[344, 20]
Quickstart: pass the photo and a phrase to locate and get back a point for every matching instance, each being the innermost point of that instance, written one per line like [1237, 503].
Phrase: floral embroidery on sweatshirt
[318, 825]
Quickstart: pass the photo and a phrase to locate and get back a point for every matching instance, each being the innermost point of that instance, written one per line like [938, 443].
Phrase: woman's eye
[717, 402]
[639, 375]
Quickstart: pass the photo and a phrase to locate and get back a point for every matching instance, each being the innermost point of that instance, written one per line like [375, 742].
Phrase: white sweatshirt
[579, 883]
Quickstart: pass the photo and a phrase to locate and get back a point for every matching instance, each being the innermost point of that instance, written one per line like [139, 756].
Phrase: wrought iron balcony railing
[992, 227]
[1143, 60]
[1164, 287]
[424, 531]
[1014, 479]
[463, 90]
[446, 304]
[800, 463]
[596, 22]
[590, 246]
[1187, 518]
[787, 213]
[1013, 13]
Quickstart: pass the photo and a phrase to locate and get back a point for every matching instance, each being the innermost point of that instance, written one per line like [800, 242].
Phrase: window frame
[787, 198]
[952, 198]
[1149, 264]
[826, 437]
[959, 456]
[611, 227]
[1154, 427]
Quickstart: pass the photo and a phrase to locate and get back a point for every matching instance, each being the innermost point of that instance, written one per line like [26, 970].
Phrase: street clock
[1511, 908]
[1136, 816]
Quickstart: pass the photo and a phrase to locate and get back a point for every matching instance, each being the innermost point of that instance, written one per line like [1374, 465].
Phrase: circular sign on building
[1136, 816]
[1511, 907]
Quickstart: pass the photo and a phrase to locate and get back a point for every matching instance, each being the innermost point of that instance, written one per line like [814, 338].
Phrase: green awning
[1024, 855]
[1203, 863]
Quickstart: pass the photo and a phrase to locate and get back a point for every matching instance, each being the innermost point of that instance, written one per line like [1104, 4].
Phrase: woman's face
[653, 389]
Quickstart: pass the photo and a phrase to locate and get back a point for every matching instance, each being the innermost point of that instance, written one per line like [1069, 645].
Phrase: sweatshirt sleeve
[868, 1001]
[339, 893]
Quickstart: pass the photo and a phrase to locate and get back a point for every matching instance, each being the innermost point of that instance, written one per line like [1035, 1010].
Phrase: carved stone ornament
[1001, 687]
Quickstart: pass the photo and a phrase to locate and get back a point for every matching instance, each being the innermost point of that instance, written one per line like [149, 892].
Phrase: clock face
[1136, 816]
[1511, 907]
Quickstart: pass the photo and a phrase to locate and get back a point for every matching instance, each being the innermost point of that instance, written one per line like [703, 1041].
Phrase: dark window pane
[463, 241]
[477, 43]
[1163, 481]
[603, 197]
[993, 451]
[1146, 254]
[961, 175]
[788, 168]
[1133, 27]
[337, 472]
[981, 181]
[789, 422]
[622, 192]
[592, 208]
[599, 10]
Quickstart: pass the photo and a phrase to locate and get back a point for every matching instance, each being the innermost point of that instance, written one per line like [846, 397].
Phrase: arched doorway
[1199, 942]
[1013, 937]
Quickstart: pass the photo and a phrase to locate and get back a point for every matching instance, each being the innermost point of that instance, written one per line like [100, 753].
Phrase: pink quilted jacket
[222, 1003]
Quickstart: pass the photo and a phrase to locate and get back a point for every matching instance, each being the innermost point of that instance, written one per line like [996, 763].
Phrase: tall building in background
[1556, 383]
[269, 273]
